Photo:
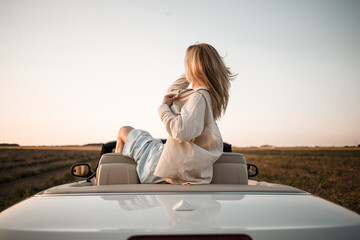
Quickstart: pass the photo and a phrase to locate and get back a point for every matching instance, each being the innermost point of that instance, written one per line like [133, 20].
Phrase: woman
[189, 116]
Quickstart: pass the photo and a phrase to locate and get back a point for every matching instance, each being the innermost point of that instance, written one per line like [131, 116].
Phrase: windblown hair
[205, 67]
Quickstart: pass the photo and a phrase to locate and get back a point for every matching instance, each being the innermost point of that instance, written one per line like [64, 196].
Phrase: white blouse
[194, 142]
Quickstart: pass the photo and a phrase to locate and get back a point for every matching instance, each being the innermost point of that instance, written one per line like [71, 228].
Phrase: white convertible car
[113, 205]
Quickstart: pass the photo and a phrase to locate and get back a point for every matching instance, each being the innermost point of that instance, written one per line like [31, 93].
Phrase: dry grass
[330, 173]
[25, 171]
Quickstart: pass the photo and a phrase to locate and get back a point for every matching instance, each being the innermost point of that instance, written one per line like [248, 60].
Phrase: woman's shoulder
[199, 93]
[199, 97]
[194, 96]
[202, 92]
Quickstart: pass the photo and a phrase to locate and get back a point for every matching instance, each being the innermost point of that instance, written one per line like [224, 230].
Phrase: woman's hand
[170, 98]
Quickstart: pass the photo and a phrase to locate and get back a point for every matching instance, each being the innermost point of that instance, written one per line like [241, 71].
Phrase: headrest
[115, 168]
[115, 158]
[230, 168]
[231, 157]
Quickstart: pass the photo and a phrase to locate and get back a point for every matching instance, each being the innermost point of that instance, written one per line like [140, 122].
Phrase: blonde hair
[205, 67]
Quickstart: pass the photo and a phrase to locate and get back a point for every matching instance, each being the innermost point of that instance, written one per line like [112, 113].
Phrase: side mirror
[81, 170]
[252, 170]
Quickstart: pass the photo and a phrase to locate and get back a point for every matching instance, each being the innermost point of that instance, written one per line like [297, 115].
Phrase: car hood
[118, 216]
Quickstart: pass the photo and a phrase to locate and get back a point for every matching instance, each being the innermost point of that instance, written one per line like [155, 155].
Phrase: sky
[75, 71]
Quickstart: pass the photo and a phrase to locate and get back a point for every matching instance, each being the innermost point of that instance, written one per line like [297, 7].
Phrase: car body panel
[119, 216]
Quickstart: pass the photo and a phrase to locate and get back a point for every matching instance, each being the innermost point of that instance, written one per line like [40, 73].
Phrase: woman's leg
[121, 138]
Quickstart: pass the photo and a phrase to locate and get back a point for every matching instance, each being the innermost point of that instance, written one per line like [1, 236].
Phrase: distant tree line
[93, 144]
[9, 145]
[352, 146]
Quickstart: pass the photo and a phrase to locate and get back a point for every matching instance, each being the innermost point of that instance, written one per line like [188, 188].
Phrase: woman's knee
[124, 132]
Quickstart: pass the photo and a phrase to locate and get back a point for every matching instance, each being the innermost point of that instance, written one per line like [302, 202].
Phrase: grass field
[331, 173]
[25, 171]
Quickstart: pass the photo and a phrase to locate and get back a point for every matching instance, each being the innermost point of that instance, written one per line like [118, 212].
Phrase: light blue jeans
[146, 152]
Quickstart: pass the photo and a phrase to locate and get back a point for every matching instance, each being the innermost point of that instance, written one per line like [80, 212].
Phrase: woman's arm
[187, 125]
[179, 85]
